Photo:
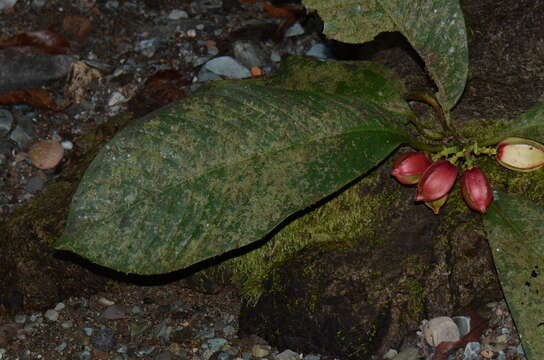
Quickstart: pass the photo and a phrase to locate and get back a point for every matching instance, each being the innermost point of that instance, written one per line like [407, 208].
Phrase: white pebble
[67, 145]
[60, 306]
[105, 302]
[177, 14]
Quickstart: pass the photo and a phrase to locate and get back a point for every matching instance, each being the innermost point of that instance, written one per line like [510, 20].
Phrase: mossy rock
[362, 292]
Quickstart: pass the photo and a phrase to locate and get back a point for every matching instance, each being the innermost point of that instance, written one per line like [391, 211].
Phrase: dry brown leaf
[77, 26]
[81, 76]
[31, 97]
[42, 41]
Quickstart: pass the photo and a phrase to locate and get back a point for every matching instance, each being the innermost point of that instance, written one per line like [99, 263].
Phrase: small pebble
[440, 329]
[105, 339]
[287, 355]
[6, 122]
[67, 145]
[114, 312]
[46, 154]
[20, 319]
[51, 315]
[260, 351]
[177, 14]
[105, 302]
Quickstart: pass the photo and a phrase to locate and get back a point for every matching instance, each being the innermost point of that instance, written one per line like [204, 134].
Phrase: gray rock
[463, 323]
[287, 355]
[410, 353]
[105, 339]
[148, 47]
[51, 315]
[6, 122]
[114, 312]
[177, 14]
[35, 184]
[211, 4]
[275, 56]
[6, 4]
[60, 306]
[21, 137]
[228, 67]
[216, 344]
[260, 350]
[294, 30]
[229, 330]
[88, 331]
[249, 53]
[206, 75]
[472, 351]
[312, 357]
[320, 51]
[439, 329]
[67, 145]
[38, 4]
[60, 348]
[25, 71]
[223, 356]
[67, 324]
[165, 355]
[20, 319]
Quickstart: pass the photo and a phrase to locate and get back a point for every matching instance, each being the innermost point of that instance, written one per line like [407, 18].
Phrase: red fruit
[476, 190]
[408, 167]
[436, 181]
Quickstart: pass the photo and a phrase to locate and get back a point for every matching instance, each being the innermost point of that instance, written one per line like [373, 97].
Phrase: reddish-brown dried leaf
[42, 41]
[76, 26]
[160, 89]
[31, 97]
[446, 348]
[280, 12]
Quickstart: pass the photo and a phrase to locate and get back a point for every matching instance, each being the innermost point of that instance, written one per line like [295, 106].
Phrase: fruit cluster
[435, 179]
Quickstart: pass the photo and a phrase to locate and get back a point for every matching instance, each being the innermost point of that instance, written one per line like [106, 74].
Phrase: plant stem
[425, 147]
[444, 121]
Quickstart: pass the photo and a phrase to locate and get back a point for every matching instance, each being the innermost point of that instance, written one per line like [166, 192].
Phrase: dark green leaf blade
[515, 229]
[219, 171]
[529, 125]
[435, 28]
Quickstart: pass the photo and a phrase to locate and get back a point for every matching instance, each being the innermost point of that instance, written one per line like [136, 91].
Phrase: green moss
[340, 222]
[415, 305]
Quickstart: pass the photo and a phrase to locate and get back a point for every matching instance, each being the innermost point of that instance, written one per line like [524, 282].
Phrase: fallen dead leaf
[32, 97]
[81, 76]
[42, 41]
[76, 26]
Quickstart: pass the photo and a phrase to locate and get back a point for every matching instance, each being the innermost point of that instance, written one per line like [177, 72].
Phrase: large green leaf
[515, 229]
[529, 125]
[435, 28]
[220, 170]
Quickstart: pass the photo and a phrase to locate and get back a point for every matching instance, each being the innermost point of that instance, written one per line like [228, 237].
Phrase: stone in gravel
[51, 315]
[390, 354]
[20, 319]
[472, 351]
[312, 357]
[287, 355]
[148, 47]
[205, 75]
[410, 353]
[249, 53]
[60, 306]
[67, 145]
[275, 56]
[105, 339]
[165, 355]
[320, 51]
[164, 330]
[177, 14]
[440, 329]
[105, 302]
[46, 154]
[6, 122]
[223, 356]
[67, 324]
[35, 184]
[260, 350]
[6, 4]
[463, 324]
[116, 98]
[114, 312]
[228, 67]
[38, 4]
[295, 30]
[229, 330]
[21, 136]
[88, 331]
[216, 344]
[136, 310]
[60, 348]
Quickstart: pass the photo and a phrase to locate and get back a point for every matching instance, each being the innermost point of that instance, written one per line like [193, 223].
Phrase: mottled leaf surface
[220, 170]
[515, 229]
[435, 28]
[529, 125]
